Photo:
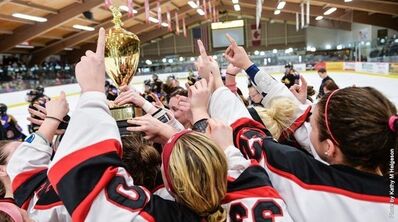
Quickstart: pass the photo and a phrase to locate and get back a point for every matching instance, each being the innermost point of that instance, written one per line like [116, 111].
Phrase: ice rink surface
[389, 86]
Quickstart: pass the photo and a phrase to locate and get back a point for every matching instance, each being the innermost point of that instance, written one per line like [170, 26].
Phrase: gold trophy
[122, 53]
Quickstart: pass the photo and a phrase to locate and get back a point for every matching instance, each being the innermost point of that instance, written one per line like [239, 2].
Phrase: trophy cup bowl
[122, 53]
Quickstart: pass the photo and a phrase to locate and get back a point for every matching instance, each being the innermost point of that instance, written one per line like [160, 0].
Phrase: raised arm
[27, 167]
[86, 171]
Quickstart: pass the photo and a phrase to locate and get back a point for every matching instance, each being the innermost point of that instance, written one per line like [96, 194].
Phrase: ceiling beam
[88, 20]
[295, 7]
[10, 18]
[74, 39]
[376, 19]
[35, 6]
[7, 32]
[2, 2]
[285, 16]
[45, 36]
[25, 33]
[376, 7]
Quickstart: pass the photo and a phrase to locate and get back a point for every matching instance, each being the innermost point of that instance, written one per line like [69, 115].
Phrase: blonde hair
[279, 116]
[198, 172]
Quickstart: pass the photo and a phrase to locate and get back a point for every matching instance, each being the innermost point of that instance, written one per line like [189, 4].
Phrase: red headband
[326, 117]
[167, 149]
[12, 210]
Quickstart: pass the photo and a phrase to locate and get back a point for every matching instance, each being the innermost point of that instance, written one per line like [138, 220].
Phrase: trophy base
[123, 113]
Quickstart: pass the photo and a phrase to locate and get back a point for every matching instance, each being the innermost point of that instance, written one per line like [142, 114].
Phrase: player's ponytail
[278, 116]
[197, 174]
[362, 122]
[219, 215]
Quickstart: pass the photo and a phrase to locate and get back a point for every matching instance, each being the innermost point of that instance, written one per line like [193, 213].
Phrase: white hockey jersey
[88, 175]
[32, 190]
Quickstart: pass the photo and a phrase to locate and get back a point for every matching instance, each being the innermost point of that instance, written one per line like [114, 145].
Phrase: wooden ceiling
[57, 33]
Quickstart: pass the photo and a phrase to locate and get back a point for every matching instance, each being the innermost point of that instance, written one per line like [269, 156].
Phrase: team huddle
[327, 161]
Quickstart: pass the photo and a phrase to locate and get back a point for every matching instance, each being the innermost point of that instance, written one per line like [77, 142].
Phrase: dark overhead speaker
[88, 15]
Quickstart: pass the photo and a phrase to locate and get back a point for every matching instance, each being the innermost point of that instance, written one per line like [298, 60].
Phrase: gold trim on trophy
[122, 53]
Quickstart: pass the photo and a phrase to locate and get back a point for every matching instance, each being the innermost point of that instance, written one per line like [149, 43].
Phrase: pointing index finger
[202, 49]
[101, 42]
[231, 40]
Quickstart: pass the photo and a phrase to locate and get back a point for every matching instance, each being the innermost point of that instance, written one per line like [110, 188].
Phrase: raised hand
[154, 129]
[300, 91]
[58, 107]
[237, 55]
[203, 63]
[220, 133]
[233, 70]
[90, 71]
[129, 96]
[199, 96]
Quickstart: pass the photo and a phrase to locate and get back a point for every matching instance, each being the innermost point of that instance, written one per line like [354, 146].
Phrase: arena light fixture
[126, 9]
[83, 27]
[215, 57]
[274, 51]
[29, 17]
[262, 53]
[347, 0]
[227, 24]
[68, 49]
[256, 52]
[237, 7]
[181, 59]
[235, 1]
[200, 11]
[281, 5]
[192, 59]
[24, 46]
[148, 62]
[192, 4]
[330, 11]
[154, 20]
[328, 46]
[164, 24]
[318, 18]
[277, 12]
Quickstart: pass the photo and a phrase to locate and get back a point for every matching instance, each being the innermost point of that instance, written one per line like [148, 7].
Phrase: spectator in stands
[156, 84]
[325, 77]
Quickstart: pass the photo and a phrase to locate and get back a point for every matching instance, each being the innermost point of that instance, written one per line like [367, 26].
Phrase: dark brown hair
[142, 160]
[330, 85]
[358, 119]
[3, 161]
[4, 217]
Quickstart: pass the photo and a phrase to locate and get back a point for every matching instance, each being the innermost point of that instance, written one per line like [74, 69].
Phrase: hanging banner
[184, 28]
[108, 3]
[169, 20]
[210, 10]
[205, 8]
[159, 14]
[146, 11]
[177, 24]
[130, 6]
[256, 35]
[259, 9]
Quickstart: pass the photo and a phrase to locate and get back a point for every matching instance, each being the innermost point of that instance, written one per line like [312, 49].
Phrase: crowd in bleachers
[16, 75]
